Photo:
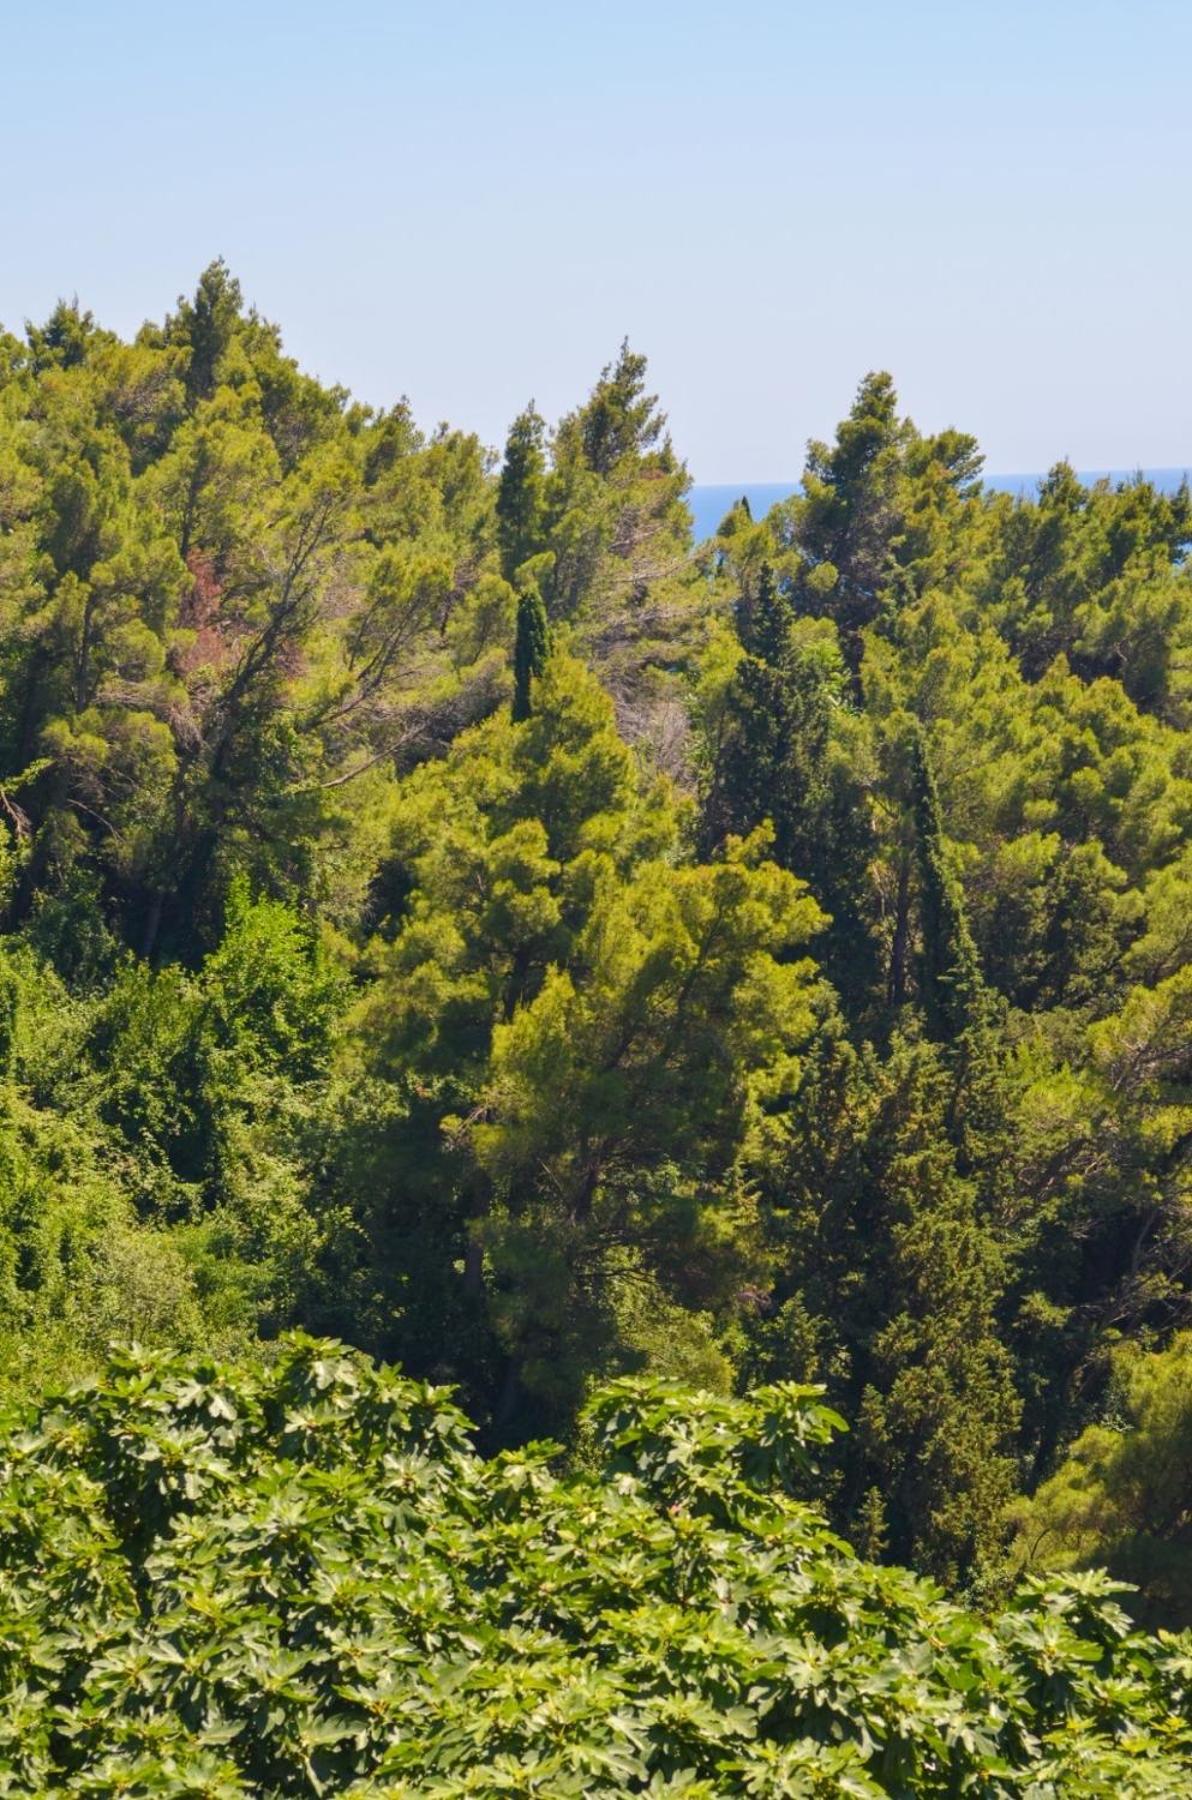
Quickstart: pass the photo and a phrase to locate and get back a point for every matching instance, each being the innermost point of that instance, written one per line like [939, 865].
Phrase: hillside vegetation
[445, 910]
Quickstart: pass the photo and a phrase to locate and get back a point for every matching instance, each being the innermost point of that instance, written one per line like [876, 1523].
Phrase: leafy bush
[297, 1577]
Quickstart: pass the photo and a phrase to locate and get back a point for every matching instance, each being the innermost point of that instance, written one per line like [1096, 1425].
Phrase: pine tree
[205, 326]
[850, 512]
[521, 491]
[620, 419]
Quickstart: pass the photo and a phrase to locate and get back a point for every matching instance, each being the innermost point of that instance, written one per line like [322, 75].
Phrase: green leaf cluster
[295, 1576]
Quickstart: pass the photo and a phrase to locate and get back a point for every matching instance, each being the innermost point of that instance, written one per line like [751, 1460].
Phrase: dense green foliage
[444, 908]
[1123, 1494]
[298, 1578]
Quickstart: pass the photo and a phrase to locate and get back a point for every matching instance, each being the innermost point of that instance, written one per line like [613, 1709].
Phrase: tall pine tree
[521, 491]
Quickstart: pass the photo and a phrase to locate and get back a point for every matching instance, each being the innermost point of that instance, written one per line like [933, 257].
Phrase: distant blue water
[1166, 480]
[709, 503]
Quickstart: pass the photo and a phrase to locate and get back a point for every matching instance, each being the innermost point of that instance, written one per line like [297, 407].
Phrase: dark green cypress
[530, 650]
[764, 619]
[951, 985]
[960, 1010]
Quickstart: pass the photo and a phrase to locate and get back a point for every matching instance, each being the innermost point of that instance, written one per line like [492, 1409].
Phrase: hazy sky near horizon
[473, 203]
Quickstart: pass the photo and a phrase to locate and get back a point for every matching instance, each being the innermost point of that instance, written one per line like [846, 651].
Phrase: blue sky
[474, 203]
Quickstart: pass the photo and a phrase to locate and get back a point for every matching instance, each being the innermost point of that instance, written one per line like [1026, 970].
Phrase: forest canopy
[446, 909]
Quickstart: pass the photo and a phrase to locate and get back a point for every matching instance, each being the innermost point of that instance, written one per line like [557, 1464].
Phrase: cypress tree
[889, 1282]
[764, 619]
[783, 755]
[960, 1010]
[951, 985]
[530, 650]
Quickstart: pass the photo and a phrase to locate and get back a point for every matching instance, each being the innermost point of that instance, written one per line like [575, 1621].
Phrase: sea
[710, 502]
